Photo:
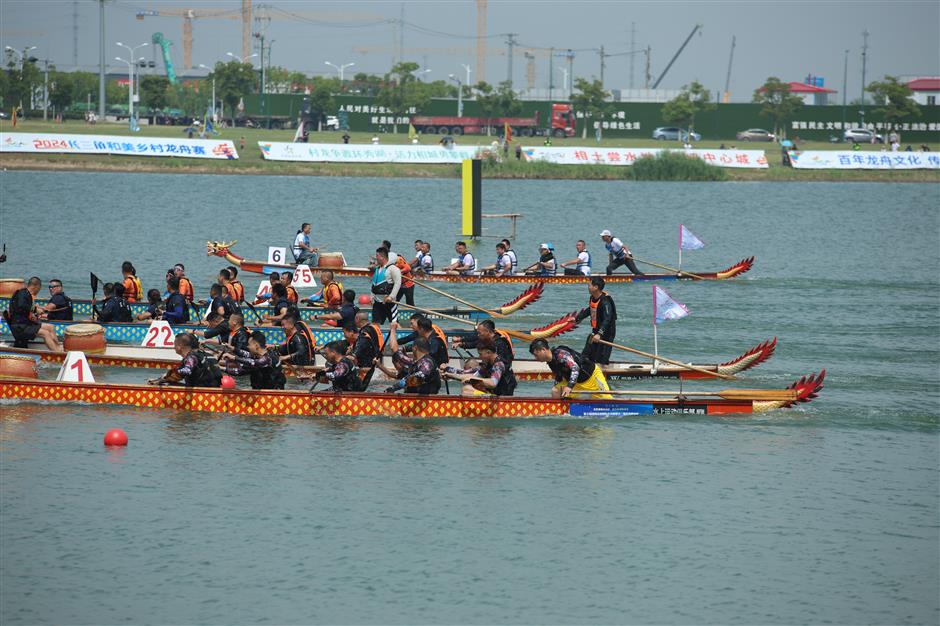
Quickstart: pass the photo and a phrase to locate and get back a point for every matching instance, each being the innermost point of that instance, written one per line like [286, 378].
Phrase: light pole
[130, 91]
[206, 67]
[241, 59]
[341, 69]
[418, 74]
[467, 68]
[459, 94]
[24, 55]
[564, 71]
[845, 81]
[133, 63]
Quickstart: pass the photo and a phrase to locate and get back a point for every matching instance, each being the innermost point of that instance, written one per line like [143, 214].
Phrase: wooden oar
[671, 269]
[512, 333]
[783, 395]
[496, 314]
[659, 357]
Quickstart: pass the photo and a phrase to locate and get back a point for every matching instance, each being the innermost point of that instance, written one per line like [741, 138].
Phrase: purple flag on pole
[665, 308]
[688, 240]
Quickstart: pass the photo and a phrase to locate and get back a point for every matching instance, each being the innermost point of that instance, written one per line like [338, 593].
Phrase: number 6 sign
[277, 255]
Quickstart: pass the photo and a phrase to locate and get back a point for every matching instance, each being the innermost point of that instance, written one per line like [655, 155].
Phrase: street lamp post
[205, 67]
[133, 62]
[564, 71]
[340, 69]
[241, 59]
[459, 94]
[420, 72]
[130, 92]
[467, 68]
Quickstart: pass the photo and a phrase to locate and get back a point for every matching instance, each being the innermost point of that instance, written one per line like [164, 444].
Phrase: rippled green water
[827, 513]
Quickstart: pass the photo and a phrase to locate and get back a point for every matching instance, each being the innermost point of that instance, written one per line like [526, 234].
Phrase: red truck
[562, 124]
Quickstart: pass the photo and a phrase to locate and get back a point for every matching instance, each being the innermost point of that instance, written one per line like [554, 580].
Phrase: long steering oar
[671, 269]
[666, 360]
[94, 293]
[456, 299]
[778, 395]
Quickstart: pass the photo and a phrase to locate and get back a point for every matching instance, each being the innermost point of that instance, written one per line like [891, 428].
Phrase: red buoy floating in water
[115, 437]
[365, 300]
[228, 382]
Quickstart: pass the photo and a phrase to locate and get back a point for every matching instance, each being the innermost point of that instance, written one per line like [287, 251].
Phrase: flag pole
[680, 249]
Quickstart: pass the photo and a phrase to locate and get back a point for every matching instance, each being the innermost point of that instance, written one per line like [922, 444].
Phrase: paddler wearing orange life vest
[186, 287]
[286, 279]
[133, 290]
[300, 346]
[331, 294]
[603, 313]
[488, 333]
[234, 289]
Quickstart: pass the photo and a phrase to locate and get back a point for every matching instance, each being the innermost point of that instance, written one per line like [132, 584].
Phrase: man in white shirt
[581, 263]
[619, 254]
[303, 253]
[503, 265]
[386, 283]
[465, 265]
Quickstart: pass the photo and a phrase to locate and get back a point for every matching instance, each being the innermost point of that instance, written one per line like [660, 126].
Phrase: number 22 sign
[159, 335]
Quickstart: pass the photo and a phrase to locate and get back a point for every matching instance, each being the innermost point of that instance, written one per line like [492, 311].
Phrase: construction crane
[188, 15]
[481, 40]
[697, 28]
[727, 95]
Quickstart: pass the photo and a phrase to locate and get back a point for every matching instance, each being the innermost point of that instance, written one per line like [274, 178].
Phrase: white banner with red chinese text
[365, 153]
[38, 143]
[864, 160]
[609, 155]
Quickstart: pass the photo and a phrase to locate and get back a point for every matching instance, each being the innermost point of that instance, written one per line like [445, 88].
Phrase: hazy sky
[784, 38]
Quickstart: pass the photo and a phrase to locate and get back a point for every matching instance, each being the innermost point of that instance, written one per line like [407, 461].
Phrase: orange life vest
[594, 313]
[311, 339]
[292, 295]
[239, 291]
[133, 291]
[508, 338]
[440, 333]
[231, 291]
[405, 273]
[333, 294]
[186, 289]
[380, 337]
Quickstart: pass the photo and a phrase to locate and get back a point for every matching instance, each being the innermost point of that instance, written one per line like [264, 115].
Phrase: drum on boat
[87, 338]
[17, 366]
[332, 260]
[9, 286]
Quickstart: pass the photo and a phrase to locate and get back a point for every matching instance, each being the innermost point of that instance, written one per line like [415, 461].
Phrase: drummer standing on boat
[603, 313]
[386, 283]
[618, 253]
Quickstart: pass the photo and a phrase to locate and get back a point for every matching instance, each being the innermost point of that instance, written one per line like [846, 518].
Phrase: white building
[926, 90]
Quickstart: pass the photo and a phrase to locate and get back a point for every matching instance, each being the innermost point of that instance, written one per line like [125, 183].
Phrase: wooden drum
[9, 286]
[87, 338]
[332, 260]
[17, 366]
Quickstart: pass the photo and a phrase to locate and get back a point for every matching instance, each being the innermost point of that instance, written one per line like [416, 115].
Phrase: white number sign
[303, 277]
[277, 255]
[75, 369]
[264, 289]
[159, 335]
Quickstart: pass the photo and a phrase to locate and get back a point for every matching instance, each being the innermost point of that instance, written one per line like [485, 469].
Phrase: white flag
[688, 240]
[665, 308]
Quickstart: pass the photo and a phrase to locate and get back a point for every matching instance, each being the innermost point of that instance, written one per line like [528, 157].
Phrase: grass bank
[251, 163]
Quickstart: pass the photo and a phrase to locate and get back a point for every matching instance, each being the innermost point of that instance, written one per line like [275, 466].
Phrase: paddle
[253, 311]
[456, 299]
[94, 294]
[671, 269]
[780, 395]
[666, 360]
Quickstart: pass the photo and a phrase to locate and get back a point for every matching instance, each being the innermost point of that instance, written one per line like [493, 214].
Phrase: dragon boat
[83, 307]
[283, 403]
[525, 369]
[223, 250]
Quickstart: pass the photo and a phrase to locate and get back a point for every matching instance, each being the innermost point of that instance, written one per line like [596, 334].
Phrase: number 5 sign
[303, 277]
[277, 255]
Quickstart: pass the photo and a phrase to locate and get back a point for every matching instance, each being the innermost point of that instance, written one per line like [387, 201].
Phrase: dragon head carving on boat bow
[222, 249]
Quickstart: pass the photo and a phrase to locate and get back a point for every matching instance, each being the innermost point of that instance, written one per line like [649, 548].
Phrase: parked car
[755, 134]
[861, 135]
[664, 133]
[332, 123]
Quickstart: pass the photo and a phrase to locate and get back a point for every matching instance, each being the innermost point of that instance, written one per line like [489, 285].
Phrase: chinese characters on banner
[354, 153]
[627, 156]
[112, 144]
[874, 126]
[840, 160]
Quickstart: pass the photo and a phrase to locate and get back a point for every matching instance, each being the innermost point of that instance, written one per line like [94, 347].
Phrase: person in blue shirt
[303, 252]
[177, 308]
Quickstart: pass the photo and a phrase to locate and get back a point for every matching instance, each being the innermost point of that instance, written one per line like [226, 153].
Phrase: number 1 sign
[75, 369]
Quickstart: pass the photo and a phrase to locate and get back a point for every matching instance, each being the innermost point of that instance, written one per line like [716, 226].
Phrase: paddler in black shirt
[59, 307]
[300, 346]
[488, 333]
[603, 313]
[115, 307]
